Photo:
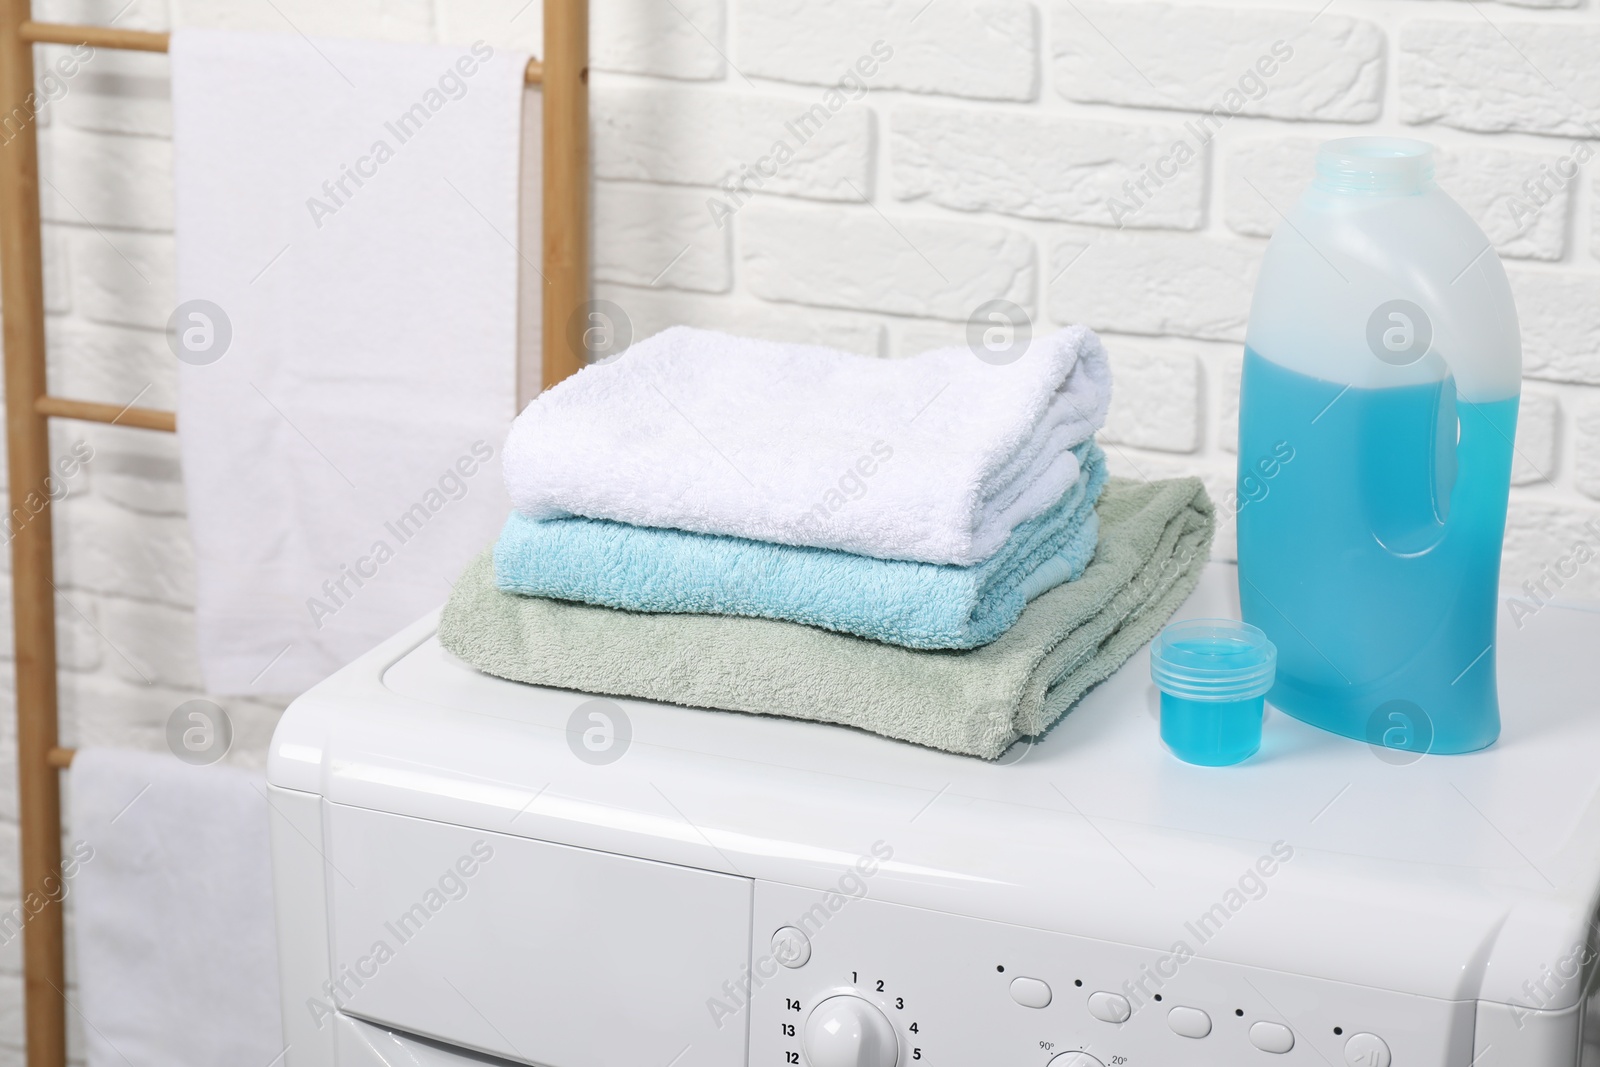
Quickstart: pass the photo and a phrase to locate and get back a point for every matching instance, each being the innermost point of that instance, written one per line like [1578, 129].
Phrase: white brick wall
[973, 152]
[1153, 283]
[1491, 75]
[1158, 400]
[859, 258]
[983, 49]
[1287, 63]
[1560, 314]
[650, 235]
[971, 159]
[701, 137]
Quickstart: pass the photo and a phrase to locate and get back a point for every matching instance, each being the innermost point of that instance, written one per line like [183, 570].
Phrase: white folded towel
[177, 959]
[934, 458]
[345, 208]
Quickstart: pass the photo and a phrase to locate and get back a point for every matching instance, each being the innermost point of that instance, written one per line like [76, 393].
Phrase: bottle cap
[1213, 659]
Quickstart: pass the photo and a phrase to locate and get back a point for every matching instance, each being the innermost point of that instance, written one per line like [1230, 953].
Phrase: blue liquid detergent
[1213, 675]
[1211, 733]
[1372, 558]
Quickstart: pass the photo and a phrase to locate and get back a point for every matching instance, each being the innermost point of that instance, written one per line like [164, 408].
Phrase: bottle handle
[1446, 450]
[1408, 464]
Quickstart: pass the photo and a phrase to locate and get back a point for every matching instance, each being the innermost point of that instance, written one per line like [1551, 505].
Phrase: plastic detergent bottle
[1377, 409]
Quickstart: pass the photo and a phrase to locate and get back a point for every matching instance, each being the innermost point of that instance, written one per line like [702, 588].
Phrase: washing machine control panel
[839, 981]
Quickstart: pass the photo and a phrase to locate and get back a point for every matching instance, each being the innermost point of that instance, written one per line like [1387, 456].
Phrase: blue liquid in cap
[1213, 675]
[1212, 733]
[1373, 558]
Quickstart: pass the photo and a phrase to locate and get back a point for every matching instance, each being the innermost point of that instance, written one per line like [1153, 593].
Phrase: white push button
[1366, 1050]
[1189, 1022]
[1030, 992]
[791, 947]
[1272, 1037]
[1109, 1007]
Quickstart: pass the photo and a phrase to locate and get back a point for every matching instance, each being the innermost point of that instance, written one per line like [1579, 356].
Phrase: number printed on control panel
[790, 1031]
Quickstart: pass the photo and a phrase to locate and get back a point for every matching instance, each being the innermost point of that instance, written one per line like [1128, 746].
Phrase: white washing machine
[472, 871]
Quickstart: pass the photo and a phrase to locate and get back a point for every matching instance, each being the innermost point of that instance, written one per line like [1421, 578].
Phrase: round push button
[1189, 1022]
[1030, 992]
[1110, 1007]
[1271, 1037]
[1366, 1050]
[791, 947]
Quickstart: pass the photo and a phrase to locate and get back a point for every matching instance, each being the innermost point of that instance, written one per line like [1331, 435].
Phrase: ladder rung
[89, 411]
[145, 41]
[98, 36]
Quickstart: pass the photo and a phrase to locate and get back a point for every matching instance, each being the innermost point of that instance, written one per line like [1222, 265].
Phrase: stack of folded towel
[913, 546]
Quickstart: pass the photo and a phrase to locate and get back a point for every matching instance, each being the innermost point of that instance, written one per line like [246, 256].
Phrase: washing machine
[473, 871]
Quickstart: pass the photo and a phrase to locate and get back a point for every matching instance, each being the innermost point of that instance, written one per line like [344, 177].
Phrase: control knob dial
[847, 1031]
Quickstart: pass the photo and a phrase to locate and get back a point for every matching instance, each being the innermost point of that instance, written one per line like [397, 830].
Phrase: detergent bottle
[1377, 409]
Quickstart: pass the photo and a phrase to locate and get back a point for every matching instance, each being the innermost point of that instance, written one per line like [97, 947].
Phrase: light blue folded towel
[901, 602]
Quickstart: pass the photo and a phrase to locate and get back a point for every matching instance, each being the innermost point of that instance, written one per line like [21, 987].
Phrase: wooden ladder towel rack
[563, 75]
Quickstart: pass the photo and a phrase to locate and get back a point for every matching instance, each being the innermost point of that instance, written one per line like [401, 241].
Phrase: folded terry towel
[919, 605]
[1153, 542]
[933, 458]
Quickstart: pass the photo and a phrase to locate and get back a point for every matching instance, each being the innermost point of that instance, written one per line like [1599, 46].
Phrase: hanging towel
[934, 458]
[347, 323]
[918, 605]
[172, 910]
[1153, 542]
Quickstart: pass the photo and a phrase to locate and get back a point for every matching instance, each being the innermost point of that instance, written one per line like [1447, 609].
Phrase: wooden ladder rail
[564, 76]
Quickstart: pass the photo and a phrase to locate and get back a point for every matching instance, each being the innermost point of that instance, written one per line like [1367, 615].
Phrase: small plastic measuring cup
[1213, 675]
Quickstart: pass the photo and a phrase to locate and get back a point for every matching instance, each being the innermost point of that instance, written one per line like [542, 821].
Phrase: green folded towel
[1153, 541]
